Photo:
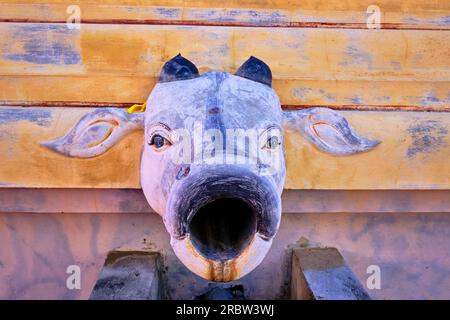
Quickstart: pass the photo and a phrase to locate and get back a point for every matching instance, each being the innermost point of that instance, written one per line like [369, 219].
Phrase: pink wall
[412, 250]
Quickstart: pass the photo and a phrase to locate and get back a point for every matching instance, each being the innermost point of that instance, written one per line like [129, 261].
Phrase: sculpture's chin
[221, 270]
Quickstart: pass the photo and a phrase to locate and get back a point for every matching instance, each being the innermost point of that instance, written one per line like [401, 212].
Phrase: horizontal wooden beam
[289, 107]
[281, 13]
[44, 200]
[121, 63]
[308, 54]
[124, 91]
[413, 154]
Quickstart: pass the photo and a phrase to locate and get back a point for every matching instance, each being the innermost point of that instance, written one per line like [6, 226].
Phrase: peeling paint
[427, 136]
[168, 12]
[38, 116]
[429, 99]
[357, 57]
[42, 44]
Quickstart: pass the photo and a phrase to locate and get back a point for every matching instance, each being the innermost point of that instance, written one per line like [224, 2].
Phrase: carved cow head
[212, 164]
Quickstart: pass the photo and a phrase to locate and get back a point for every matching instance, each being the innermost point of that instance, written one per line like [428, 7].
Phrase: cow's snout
[222, 219]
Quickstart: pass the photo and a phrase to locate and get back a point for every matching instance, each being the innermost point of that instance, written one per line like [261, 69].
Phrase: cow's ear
[178, 68]
[256, 70]
[328, 130]
[96, 132]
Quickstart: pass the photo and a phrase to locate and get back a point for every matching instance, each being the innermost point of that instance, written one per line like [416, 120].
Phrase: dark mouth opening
[223, 228]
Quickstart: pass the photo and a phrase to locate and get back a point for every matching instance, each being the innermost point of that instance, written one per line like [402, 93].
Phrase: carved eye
[158, 142]
[272, 143]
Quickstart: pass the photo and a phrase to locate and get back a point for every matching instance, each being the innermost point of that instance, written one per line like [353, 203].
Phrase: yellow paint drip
[137, 108]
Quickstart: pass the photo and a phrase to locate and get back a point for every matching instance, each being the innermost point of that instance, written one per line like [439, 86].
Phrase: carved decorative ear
[178, 68]
[96, 132]
[256, 70]
[328, 130]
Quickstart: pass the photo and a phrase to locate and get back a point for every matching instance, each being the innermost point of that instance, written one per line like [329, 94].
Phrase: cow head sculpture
[212, 164]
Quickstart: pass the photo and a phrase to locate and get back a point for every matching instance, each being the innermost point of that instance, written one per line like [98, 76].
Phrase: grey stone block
[129, 275]
[322, 274]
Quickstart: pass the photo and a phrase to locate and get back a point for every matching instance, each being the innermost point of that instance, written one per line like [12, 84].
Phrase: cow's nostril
[223, 228]
[183, 172]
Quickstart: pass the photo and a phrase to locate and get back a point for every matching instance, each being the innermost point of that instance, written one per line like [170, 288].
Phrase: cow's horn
[178, 68]
[256, 70]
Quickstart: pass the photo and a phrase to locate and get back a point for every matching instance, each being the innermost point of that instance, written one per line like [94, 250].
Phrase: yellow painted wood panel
[120, 63]
[129, 89]
[414, 154]
[292, 53]
[394, 14]
[25, 163]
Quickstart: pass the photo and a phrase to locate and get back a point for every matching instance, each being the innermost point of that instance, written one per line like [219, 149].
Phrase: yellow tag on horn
[137, 108]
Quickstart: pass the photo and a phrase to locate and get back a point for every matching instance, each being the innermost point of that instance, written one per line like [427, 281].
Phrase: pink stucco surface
[410, 248]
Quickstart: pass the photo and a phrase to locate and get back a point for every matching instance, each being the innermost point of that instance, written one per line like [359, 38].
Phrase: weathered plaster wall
[410, 248]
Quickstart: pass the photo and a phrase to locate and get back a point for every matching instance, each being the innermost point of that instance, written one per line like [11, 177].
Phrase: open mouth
[222, 219]
[223, 228]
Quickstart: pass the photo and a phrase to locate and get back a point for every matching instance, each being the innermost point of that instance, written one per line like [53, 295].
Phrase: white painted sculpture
[212, 164]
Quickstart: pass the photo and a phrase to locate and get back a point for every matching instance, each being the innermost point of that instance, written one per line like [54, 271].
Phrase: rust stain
[371, 108]
[100, 104]
[222, 271]
[291, 24]
[211, 271]
[75, 104]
